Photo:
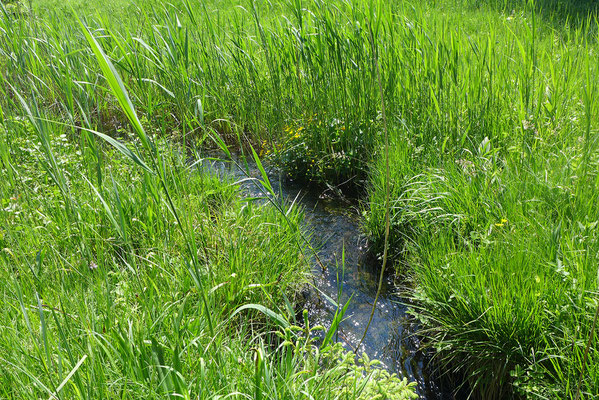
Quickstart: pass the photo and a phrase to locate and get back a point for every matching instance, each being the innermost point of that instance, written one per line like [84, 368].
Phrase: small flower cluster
[501, 223]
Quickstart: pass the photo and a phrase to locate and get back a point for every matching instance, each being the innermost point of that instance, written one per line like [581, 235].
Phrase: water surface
[334, 227]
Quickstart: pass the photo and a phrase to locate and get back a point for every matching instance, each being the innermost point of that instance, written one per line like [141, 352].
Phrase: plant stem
[387, 179]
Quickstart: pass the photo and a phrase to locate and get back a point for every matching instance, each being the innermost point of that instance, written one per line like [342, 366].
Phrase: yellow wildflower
[502, 222]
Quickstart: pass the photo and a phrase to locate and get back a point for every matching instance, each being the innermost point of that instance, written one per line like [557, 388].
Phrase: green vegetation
[494, 188]
[128, 274]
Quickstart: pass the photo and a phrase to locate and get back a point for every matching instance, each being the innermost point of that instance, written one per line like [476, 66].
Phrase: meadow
[467, 130]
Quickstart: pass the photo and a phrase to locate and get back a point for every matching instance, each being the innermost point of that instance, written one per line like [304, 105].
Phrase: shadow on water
[334, 229]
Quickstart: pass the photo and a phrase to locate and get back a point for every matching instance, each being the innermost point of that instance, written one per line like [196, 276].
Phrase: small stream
[334, 225]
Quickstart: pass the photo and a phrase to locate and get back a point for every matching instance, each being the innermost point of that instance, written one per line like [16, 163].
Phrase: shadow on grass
[573, 12]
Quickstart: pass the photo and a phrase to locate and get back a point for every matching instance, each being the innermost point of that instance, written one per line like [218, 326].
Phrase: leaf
[116, 85]
[278, 318]
[335, 323]
[219, 141]
[123, 149]
[68, 378]
[265, 181]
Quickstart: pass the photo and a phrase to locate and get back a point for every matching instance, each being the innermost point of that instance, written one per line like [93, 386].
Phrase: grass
[495, 200]
[108, 294]
[128, 274]
[492, 114]
[505, 276]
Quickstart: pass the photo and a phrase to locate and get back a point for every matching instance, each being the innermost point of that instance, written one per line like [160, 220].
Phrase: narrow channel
[334, 228]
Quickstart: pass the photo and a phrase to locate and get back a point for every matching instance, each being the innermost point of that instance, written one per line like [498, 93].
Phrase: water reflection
[335, 230]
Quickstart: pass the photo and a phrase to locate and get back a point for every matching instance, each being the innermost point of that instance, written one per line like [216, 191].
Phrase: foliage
[128, 273]
[492, 110]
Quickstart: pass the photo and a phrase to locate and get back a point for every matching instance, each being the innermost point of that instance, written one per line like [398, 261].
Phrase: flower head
[502, 222]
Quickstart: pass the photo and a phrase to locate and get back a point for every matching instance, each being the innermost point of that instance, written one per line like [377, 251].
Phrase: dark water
[335, 227]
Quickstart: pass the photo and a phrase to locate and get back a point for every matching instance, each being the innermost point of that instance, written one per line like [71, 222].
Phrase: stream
[334, 226]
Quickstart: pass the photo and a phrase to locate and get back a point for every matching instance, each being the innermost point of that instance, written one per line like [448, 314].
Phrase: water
[335, 227]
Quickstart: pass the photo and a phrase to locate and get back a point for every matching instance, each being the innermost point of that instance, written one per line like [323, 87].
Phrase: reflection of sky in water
[332, 227]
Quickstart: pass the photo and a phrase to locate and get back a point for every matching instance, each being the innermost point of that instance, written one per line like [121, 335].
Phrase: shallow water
[335, 226]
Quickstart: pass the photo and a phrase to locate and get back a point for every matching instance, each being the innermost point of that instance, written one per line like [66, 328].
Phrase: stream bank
[335, 233]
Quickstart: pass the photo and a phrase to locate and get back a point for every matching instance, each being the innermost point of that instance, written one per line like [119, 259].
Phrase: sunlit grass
[129, 274]
[492, 110]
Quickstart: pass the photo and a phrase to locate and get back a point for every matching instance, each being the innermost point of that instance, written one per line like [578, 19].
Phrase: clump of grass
[504, 273]
[490, 229]
[323, 150]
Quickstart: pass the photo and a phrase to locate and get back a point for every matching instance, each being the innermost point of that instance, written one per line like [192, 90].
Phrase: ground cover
[129, 273]
[492, 113]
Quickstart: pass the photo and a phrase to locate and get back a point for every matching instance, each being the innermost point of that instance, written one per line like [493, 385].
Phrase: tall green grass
[505, 274]
[492, 117]
[495, 202]
[129, 274]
